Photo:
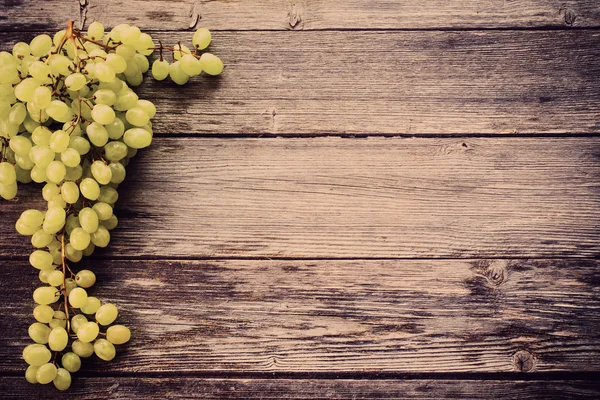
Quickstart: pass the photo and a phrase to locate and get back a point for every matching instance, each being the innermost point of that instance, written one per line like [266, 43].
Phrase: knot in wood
[496, 274]
[294, 17]
[570, 17]
[523, 361]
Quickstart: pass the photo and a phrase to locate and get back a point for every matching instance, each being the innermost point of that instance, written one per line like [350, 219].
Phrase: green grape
[103, 114]
[30, 373]
[46, 373]
[43, 313]
[201, 38]
[97, 134]
[55, 171]
[71, 361]
[71, 224]
[88, 251]
[177, 74]
[77, 321]
[78, 297]
[104, 72]
[46, 295]
[137, 116]
[39, 332]
[148, 107]
[69, 192]
[56, 256]
[70, 157]
[118, 172]
[79, 239]
[40, 71]
[43, 275]
[85, 278]
[103, 210]
[137, 138]
[211, 64]
[57, 202]
[59, 111]
[95, 31]
[73, 254]
[36, 354]
[70, 285]
[130, 34]
[142, 63]
[41, 239]
[115, 151]
[82, 349]
[49, 191]
[41, 259]
[8, 174]
[107, 314]
[125, 100]
[75, 81]
[56, 278]
[59, 141]
[126, 51]
[160, 69]
[41, 136]
[55, 220]
[89, 189]
[82, 145]
[190, 65]
[32, 217]
[23, 229]
[40, 45]
[24, 90]
[62, 381]
[20, 145]
[144, 45]
[115, 129]
[17, 114]
[87, 332]
[179, 51]
[108, 195]
[104, 349]
[42, 96]
[118, 334]
[88, 219]
[91, 306]
[58, 339]
[110, 223]
[59, 319]
[101, 172]
[105, 96]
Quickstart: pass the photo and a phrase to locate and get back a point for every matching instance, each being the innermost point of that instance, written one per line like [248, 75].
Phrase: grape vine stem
[64, 270]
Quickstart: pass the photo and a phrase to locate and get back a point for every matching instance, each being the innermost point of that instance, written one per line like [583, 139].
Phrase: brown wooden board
[351, 198]
[306, 15]
[347, 83]
[403, 316]
[271, 389]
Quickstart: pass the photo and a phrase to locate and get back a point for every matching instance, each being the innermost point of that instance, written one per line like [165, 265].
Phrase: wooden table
[377, 199]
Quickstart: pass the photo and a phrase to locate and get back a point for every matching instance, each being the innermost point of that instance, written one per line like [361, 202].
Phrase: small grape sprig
[69, 119]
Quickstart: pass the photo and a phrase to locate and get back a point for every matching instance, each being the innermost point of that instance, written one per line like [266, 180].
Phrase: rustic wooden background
[377, 199]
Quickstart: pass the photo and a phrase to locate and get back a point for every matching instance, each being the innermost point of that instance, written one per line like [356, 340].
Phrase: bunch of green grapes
[70, 120]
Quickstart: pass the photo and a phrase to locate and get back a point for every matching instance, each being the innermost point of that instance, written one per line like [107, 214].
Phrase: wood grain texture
[403, 316]
[307, 14]
[413, 83]
[350, 198]
[305, 389]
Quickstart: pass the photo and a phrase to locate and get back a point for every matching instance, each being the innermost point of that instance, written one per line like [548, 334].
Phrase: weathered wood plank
[308, 15]
[402, 316]
[389, 83]
[353, 198]
[303, 389]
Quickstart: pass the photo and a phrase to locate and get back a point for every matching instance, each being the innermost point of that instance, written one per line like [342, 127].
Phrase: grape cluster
[70, 120]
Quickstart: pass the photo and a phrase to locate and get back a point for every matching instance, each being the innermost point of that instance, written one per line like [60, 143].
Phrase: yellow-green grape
[39, 332]
[17, 114]
[190, 65]
[40, 45]
[46, 373]
[85, 278]
[42, 96]
[201, 38]
[101, 237]
[43, 275]
[101, 172]
[88, 219]
[115, 151]
[110, 223]
[117, 63]
[70, 285]
[118, 334]
[136, 116]
[91, 306]
[77, 321]
[60, 64]
[148, 107]
[126, 51]
[103, 210]
[211, 64]
[104, 72]
[30, 373]
[20, 145]
[97, 134]
[82, 349]
[32, 217]
[71, 362]
[88, 251]
[75, 81]
[24, 229]
[125, 100]
[24, 90]
[58, 339]
[95, 31]
[59, 319]
[70, 191]
[56, 278]
[179, 51]
[70, 157]
[103, 114]
[88, 332]
[160, 69]
[73, 254]
[54, 220]
[8, 192]
[59, 111]
[50, 190]
[57, 202]
[43, 313]
[59, 141]
[130, 34]
[144, 45]
[177, 74]
[56, 256]
[36, 354]
[137, 138]
[41, 136]
[107, 314]
[79, 239]
[89, 189]
[62, 380]
[142, 63]
[115, 129]
[41, 259]
[78, 297]
[80, 144]
[46, 295]
[104, 349]
[41, 239]
[55, 171]
[105, 96]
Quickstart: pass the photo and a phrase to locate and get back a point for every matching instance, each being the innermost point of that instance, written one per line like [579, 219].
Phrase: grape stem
[64, 270]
